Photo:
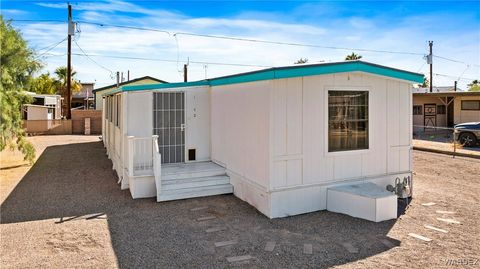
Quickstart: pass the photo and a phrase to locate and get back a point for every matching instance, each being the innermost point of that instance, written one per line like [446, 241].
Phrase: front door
[169, 125]
[430, 115]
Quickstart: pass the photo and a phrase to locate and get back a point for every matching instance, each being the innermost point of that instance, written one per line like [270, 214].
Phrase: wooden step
[209, 171]
[197, 182]
[177, 194]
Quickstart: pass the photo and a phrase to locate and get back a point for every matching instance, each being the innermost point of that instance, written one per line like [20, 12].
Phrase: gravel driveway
[68, 211]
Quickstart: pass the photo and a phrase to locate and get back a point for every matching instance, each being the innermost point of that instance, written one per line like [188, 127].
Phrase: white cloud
[13, 12]
[355, 32]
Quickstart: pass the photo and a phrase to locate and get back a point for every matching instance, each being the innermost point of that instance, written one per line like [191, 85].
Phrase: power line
[297, 44]
[51, 47]
[455, 77]
[15, 20]
[160, 60]
[252, 40]
[84, 53]
[202, 62]
[455, 61]
[126, 27]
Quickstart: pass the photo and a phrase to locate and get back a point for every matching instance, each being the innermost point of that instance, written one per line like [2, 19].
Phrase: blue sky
[377, 25]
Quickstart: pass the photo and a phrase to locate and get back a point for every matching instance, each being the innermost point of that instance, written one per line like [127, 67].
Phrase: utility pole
[185, 73]
[71, 31]
[430, 61]
[118, 79]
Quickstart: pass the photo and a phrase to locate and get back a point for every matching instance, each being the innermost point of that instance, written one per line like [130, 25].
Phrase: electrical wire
[455, 77]
[86, 55]
[125, 27]
[51, 47]
[253, 40]
[455, 61]
[160, 60]
[15, 20]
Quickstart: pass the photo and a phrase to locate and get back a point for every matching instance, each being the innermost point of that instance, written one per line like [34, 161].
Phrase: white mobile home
[286, 140]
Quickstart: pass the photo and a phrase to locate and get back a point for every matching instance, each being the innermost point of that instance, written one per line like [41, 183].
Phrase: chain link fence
[446, 140]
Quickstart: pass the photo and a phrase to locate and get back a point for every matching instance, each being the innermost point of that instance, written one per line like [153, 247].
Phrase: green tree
[474, 86]
[352, 57]
[425, 83]
[17, 66]
[44, 84]
[61, 82]
[301, 61]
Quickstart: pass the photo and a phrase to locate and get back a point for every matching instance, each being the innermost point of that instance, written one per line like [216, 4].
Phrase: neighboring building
[43, 107]
[435, 89]
[84, 99]
[104, 90]
[280, 139]
[444, 108]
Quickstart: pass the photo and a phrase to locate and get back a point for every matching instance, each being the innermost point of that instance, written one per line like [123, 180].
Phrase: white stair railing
[140, 156]
[157, 165]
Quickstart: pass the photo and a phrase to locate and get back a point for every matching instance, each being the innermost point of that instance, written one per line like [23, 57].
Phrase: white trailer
[280, 137]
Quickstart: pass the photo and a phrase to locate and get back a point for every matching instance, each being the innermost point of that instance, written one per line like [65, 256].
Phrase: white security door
[169, 125]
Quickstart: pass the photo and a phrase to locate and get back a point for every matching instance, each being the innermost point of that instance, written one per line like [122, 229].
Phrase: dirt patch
[68, 211]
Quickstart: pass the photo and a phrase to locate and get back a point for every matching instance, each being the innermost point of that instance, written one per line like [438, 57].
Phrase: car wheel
[468, 139]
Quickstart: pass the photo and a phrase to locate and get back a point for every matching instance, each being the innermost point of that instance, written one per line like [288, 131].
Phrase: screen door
[169, 125]
[430, 115]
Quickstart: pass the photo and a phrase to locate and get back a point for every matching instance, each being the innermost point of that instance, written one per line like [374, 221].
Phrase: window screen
[470, 105]
[347, 120]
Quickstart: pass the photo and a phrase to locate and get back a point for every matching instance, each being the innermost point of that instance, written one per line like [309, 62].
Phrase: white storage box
[366, 201]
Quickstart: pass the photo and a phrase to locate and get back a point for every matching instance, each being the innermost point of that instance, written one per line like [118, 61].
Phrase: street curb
[459, 154]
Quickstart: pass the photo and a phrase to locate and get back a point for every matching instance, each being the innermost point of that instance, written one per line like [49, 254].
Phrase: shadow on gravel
[72, 182]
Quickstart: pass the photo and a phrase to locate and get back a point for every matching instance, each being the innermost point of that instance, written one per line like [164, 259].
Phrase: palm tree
[301, 61]
[353, 57]
[61, 84]
[61, 81]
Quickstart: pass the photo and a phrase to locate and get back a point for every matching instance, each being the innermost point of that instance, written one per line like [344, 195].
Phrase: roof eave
[290, 72]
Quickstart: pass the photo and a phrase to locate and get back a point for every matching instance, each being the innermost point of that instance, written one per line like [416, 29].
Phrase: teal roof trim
[164, 85]
[290, 72]
[114, 91]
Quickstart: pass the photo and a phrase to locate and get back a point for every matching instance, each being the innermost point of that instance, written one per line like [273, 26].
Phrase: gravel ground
[67, 211]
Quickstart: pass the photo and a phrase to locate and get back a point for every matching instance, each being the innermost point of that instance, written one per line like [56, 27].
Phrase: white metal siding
[240, 129]
[140, 114]
[300, 153]
[198, 122]
[287, 127]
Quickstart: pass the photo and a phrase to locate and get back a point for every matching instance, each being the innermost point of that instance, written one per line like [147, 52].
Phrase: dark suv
[467, 134]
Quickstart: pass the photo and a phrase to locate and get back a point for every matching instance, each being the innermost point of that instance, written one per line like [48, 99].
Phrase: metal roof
[443, 94]
[128, 82]
[291, 72]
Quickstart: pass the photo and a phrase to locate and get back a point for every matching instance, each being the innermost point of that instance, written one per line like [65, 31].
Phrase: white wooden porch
[138, 165]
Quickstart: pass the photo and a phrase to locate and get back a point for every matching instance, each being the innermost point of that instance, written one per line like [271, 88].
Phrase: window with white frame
[347, 120]
[417, 109]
